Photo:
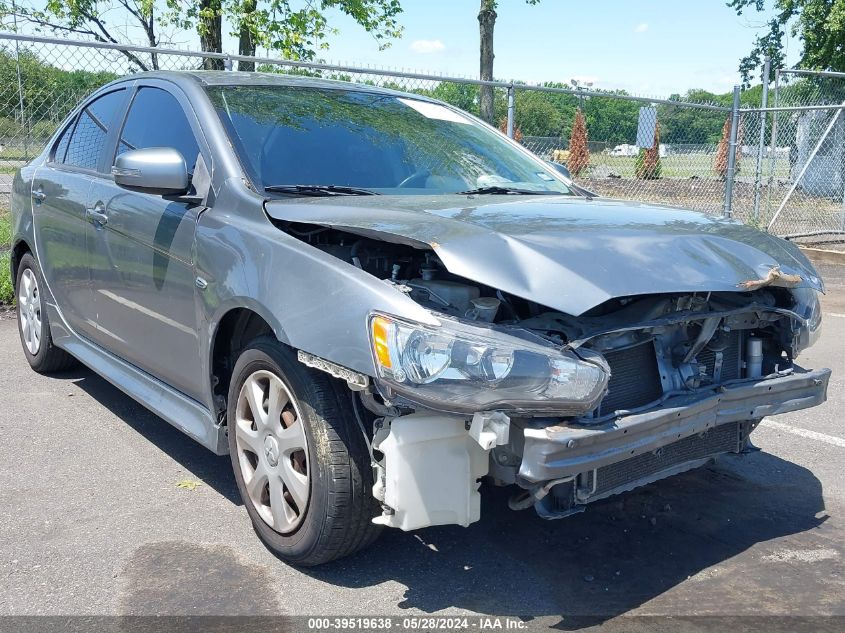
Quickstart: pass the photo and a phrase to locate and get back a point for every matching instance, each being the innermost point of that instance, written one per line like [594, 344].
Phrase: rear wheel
[300, 460]
[33, 325]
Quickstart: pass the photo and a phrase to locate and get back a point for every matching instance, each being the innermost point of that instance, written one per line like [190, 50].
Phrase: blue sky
[651, 47]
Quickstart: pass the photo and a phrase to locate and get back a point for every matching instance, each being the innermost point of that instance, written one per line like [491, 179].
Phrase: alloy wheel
[272, 451]
[29, 311]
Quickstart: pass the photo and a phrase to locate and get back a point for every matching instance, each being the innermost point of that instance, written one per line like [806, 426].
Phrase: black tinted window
[156, 119]
[61, 146]
[92, 128]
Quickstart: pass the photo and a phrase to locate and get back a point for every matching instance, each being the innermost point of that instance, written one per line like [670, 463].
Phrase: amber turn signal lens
[380, 327]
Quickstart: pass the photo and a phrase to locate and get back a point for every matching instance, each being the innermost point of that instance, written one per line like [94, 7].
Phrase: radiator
[634, 378]
[641, 469]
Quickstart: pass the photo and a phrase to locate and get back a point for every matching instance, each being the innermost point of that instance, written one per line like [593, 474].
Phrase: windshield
[386, 144]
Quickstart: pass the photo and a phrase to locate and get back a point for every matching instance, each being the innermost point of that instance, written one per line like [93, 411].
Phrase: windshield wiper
[498, 190]
[321, 190]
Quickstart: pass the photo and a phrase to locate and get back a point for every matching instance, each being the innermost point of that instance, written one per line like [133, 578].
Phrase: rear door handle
[96, 216]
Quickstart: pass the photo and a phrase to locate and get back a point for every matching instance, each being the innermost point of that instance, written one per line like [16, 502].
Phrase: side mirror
[559, 168]
[157, 170]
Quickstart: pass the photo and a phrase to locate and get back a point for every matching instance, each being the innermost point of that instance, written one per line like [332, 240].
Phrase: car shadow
[213, 470]
[619, 554]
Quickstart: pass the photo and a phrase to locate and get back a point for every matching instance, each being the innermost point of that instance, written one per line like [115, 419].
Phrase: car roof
[239, 78]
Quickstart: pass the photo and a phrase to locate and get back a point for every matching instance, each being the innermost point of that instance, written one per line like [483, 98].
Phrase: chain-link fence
[804, 174]
[681, 168]
[763, 166]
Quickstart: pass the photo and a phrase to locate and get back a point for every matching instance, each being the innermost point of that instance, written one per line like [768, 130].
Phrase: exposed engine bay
[699, 340]
[674, 362]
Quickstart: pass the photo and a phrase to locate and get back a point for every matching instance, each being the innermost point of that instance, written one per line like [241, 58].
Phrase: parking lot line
[813, 435]
[838, 315]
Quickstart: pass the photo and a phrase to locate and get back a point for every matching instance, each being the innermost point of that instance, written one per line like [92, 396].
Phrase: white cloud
[425, 47]
[641, 28]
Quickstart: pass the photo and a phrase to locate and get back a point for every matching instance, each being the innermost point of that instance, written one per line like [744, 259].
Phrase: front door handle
[96, 216]
[38, 195]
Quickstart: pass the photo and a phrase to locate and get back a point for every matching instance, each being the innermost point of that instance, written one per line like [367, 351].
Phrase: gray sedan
[372, 301]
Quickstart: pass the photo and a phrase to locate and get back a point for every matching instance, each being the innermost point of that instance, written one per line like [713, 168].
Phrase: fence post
[774, 144]
[758, 177]
[842, 222]
[24, 122]
[729, 178]
[511, 108]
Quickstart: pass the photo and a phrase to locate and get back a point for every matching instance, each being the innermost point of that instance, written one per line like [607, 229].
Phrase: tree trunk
[211, 33]
[152, 42]
[486, 22]
[246, 39]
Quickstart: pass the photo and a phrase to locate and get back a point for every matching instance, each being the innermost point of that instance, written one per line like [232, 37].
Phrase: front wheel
[301, 463]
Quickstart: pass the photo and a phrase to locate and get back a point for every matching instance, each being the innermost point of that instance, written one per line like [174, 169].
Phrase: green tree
[104, 21]
[682, 124]
[463, 96]
[294, 30]
[818, 24]
[536, 114]
[486, 25]
[299, 30]
[209, 19]
[49, 93]
[611, 120]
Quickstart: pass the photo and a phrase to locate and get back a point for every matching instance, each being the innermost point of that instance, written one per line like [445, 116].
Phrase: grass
[687, 165]
[7, 288]
[698, 165]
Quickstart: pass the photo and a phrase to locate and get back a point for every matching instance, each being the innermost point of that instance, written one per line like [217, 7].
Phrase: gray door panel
[61, 228]
[143, 284]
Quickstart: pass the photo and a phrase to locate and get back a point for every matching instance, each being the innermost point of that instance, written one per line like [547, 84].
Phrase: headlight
[808, 306]
[465, 368]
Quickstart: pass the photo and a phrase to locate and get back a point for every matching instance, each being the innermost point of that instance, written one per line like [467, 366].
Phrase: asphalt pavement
[100, 517]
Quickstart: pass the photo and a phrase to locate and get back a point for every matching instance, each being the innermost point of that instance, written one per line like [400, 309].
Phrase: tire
[33, 324]
[336, 519]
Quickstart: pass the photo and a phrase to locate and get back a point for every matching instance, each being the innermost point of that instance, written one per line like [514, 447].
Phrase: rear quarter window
[61, 147]
[88, 139]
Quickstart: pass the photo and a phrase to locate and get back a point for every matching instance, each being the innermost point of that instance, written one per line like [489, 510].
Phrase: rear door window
[90, 133]
[156, 119]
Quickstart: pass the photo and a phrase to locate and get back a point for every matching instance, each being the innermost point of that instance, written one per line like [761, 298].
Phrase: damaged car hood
[569, 254]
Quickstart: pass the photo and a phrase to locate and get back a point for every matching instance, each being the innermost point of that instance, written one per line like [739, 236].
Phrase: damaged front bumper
[432, 462]
[587, 463]
[559, 451]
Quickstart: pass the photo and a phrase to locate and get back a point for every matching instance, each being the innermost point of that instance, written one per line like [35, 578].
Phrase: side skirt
[186, 414]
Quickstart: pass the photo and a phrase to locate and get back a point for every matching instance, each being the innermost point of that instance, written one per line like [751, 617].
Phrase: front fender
[313, 302]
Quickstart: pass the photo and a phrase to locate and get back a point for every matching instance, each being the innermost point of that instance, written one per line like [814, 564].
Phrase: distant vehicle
[624, 150]
[633, 150]
[371, 300]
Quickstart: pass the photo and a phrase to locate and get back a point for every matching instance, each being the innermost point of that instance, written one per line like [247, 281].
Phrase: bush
[517, 131]
[7, 288]
[720, 163]
[579, 152]
[9, 128]
[43, 129]
[647, 165]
